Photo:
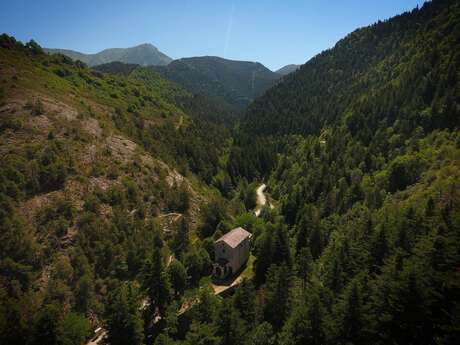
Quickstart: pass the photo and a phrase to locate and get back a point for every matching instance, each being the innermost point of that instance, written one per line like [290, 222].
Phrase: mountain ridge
[285, 70]
[143, 54]
[232, 82]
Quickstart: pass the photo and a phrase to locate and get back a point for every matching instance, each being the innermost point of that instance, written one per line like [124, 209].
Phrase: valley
[204, 200]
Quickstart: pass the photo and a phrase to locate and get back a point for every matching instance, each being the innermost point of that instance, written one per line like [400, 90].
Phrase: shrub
[11, 123]
[36, 108]
[34, 47]
[80, 64]
[61, 72]
[7, 42]
[404, 171]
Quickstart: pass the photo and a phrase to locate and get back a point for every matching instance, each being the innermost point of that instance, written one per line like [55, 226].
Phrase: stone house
[231, 252]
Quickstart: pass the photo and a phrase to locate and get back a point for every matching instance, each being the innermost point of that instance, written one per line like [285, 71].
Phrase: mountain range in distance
[233, 83]
[143, 54]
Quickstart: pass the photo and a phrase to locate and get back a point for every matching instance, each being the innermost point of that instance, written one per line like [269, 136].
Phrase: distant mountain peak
[143, 54]
[146, 45]
[287, 69]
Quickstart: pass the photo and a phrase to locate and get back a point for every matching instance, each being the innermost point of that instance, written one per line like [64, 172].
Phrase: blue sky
[274, 33]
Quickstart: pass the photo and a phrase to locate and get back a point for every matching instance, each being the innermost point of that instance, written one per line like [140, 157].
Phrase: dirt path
[170, 259]
[97, 340]
[261, 199]
[218, 289]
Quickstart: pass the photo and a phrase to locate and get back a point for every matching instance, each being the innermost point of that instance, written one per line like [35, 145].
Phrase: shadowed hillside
[234, 83]
[361, 147]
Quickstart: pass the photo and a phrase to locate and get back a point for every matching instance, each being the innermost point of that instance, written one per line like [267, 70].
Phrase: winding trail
[96, 340]
[261, 199]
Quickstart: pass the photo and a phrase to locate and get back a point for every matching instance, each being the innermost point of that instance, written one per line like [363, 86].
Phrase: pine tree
[281, 246]
[156, 284]
[202, 334]
[178, 277]
[264, 252]
[304, 227]
[181, 241]
[296, 330]
[350, 320]
[276, 295]
[205, 311]
[193, 262]
[262, 335]
[316, 320]
[123, 320]
[379, 247]
[74, 329]
[46, 326]
[316, 242]
[184, 199]
[430, 207]
[305, 325]
[244, 301]
[230, 327]
[304, 262]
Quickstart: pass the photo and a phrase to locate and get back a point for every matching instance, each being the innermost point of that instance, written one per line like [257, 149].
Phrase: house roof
[234, 237]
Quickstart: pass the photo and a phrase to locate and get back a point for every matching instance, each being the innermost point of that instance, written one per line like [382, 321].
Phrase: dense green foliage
[85, 197]
[401, 73]
[116, 67]
[404, 68]
[360, 149]
[233, 83]
[196, 144]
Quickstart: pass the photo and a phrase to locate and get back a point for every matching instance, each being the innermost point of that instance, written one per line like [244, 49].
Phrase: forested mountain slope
[401, 73]
[90, 188]
[143, 54]
[235, 83]
[198, 105]
[398, 67]
[361, 147]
